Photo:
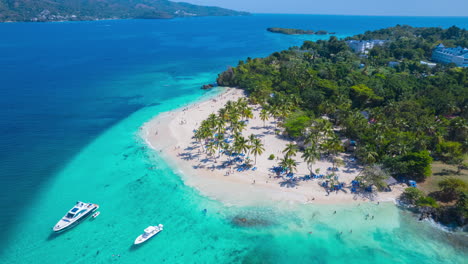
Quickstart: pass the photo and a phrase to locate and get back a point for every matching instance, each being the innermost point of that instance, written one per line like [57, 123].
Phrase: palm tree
[371, 157]
[333, 146]
[219, 142]
[310, 155]
[264, 116]
[296, 100]
[288, 163]
[311, 138]
[284, 110]
[290, 150]
[247, 112]
[257, 148]
[211, 121]
[203, 133]
[223, 113]
[211, 149]
[275, 113]
[233, 116]
[237, 127]
[240, 144]
[220, 126]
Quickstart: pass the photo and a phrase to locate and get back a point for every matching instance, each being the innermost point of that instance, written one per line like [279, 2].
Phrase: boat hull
[142, 238]
[75, 223]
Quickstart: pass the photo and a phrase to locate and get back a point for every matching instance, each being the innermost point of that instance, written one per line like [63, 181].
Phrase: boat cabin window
[70, 215]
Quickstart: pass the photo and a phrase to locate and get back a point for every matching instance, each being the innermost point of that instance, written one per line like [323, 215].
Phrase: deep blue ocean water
[64, 85]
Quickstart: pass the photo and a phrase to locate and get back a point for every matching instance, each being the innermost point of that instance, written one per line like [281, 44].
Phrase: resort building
[458, 55]
[363, 46]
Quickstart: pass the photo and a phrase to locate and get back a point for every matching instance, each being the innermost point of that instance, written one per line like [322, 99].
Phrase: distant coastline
[67, 10]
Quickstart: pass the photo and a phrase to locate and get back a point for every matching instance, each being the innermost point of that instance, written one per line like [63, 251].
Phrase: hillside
[400, 113]
[76, 10]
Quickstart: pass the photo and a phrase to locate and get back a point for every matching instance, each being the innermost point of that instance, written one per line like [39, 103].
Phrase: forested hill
[401, 112]
[410, 108]
[75, 10]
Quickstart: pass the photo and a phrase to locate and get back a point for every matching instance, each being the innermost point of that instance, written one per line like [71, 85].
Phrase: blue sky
[346, 7]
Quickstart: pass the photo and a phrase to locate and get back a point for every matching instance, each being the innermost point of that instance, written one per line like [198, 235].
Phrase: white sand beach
[171, 134]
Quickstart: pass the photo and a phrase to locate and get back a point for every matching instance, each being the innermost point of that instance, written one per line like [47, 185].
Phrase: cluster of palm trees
[287, 161]
[319, 139]
[280, 110]
[223, 131]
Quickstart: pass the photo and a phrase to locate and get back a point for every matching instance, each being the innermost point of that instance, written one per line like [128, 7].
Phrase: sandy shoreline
[170, 134]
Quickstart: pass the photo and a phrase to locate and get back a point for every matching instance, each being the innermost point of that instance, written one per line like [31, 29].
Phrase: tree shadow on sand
[365, 195]
[289, 183]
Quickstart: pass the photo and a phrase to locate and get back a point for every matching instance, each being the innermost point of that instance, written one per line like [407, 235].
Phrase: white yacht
[79, 212]
[149, 232]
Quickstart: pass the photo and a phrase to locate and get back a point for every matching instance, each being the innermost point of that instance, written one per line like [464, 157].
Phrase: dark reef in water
[250, 222]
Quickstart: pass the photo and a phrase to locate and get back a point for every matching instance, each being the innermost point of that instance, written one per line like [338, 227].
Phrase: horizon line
[445, 16]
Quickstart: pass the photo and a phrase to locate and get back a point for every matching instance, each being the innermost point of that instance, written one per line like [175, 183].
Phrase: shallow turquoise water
[70, 132]
[135, 188]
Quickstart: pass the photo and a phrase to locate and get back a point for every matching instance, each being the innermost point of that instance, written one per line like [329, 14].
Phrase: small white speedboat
[149, 232]
[96, 214]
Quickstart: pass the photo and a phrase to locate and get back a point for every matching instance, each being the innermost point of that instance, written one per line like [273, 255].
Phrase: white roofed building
[458, 55]
[363, 46]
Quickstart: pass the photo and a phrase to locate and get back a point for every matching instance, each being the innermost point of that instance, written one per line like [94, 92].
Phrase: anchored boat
[79, 212]
[149, 232]
[96, 214]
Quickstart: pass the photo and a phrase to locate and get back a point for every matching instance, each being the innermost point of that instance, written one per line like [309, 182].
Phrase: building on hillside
[363, 46]
[458, 55]
[429, 64]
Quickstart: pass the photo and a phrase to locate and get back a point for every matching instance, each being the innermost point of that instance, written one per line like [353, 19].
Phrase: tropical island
[324, 123]
[70, 10]
[292, 31]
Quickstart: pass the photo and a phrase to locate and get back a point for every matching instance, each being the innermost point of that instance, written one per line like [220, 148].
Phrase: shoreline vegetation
[293, 31]
[322, 124]
[227, 178]
[397, 113]
[87, 10]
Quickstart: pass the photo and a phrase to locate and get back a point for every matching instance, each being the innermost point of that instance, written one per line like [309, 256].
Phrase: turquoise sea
[73, 97]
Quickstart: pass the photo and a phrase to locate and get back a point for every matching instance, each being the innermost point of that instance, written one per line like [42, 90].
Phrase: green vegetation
[296, 123]
[373, 176]
[427, 201]
[72, 10]
[411, 111]
[415, 165]
[402, 117]
[223, 132]
[411, 195]
[271, 157]
[292, 31]
[452, 188]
